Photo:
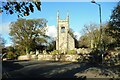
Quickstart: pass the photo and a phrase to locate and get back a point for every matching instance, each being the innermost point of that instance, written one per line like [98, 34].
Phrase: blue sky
[80, 13]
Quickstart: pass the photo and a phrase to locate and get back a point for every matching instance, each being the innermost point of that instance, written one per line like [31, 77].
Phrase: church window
[62, 29]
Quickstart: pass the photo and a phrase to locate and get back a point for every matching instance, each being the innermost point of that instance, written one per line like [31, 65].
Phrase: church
[64, 41]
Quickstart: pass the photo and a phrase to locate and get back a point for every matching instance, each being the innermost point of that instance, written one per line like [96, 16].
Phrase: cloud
[9, 44]
[77, 34]
[4, 28]
[51, 31]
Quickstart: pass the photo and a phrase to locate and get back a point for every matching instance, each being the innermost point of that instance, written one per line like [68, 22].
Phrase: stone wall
[45, 57]
[72, 58]
[57, 57]
[48, 57]
[83, 50]
[24, 57]
[27, 57]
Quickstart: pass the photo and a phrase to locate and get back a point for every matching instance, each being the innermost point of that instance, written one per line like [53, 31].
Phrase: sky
[80, 13]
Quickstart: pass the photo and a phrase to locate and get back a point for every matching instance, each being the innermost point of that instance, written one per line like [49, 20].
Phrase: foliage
[112, 59]
[20, 50]
[28, 34]
[71, 52]
[2, 44]
[54, 52]
[113, 28]
[12, 53]
[77, 44]
[96, 56]
[21, 8]
[4, 50]
[51, 46]
[91, 36]
[107, 41]
[84, 42]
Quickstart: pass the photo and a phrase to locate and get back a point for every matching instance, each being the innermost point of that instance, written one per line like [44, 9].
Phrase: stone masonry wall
[47, 57]
[72, 58]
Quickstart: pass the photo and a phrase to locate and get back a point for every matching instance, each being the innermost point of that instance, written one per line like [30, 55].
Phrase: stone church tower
[64, 41]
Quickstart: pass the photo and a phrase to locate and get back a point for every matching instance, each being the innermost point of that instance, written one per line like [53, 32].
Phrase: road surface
[38, 69]
[44, 69]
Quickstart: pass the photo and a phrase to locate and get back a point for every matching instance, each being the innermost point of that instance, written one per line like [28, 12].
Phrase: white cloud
[51, 31]
[6, 45]
[4, 28]
[77, 34]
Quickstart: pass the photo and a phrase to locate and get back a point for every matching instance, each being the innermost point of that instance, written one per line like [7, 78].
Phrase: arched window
[62, 29]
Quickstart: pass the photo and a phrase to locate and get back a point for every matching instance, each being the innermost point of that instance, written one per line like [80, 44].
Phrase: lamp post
[100, 36]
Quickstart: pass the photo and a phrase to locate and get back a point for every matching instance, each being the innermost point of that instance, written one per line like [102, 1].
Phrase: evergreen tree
[114, 25]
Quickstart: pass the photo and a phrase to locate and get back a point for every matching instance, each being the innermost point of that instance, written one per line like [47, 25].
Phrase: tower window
[62, 29]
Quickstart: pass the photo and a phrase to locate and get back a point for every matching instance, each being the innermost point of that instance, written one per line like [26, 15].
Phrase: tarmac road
[37, 69]
[48, 69]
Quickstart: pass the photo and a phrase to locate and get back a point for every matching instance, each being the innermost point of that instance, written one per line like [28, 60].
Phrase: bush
[96, 56]
[55, 52]
[11, 55]
[71, 52]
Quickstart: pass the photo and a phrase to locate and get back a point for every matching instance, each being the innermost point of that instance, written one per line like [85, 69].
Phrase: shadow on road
[11, 65]
[45, 69]
[71, 73]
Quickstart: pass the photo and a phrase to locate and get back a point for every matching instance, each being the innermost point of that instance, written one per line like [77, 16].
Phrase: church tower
[64, 41]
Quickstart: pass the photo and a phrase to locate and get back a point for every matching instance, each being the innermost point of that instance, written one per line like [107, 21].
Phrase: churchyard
[40, 51]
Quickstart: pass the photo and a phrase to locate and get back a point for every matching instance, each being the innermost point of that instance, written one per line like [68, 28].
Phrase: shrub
[96, 56]
[11, 55]
[55, 52]
[71, 52]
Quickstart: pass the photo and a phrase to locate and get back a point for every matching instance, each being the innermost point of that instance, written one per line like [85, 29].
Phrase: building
[64, 41]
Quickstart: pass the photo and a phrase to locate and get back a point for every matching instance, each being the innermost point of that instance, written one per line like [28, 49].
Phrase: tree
[84, 41]
[27, 35]
[91, 36]
[113, 28]
[52, 45]
[11, 53]
[20, 8]
[2, 44]
[106, 39]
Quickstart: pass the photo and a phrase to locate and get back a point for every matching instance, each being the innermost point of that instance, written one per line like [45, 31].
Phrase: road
[44, 69]
[39, 69]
